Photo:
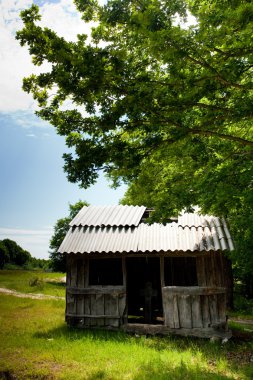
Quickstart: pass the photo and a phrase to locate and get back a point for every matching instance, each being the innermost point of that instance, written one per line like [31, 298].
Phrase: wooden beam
[194, 290]
[165, 330]
[92, 316]
[114, 290]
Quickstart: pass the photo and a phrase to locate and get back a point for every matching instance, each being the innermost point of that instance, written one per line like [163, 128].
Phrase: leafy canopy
[163, 105]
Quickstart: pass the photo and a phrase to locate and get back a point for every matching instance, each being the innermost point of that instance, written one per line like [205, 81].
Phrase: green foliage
[58, 260]
[168, 107]
[36, 282]
[4, 255]
[12, 253]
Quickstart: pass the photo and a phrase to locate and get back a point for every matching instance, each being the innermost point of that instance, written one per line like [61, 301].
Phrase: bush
[36, 282]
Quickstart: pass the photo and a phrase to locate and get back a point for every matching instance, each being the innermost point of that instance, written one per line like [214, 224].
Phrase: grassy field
[33, 282]
[35, 343]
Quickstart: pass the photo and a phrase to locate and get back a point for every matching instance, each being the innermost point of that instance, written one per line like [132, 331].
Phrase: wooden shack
[153, 278]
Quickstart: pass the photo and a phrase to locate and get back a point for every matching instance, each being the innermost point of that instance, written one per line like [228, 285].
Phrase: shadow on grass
[75, 334]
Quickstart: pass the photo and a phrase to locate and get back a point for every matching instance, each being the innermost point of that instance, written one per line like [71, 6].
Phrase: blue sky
[34, 189]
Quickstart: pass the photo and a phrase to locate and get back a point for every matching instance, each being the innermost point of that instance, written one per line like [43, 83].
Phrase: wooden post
[162, 271]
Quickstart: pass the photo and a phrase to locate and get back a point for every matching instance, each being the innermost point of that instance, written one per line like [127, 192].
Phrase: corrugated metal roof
[109, 216]
[211, 235]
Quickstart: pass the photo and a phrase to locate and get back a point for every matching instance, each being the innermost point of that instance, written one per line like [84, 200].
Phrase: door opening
[144, 290]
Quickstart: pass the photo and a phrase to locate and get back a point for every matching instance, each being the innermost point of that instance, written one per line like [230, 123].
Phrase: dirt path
[29, 295]
[241, 321]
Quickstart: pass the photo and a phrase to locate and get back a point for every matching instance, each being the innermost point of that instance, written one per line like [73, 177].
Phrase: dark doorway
[144, 290]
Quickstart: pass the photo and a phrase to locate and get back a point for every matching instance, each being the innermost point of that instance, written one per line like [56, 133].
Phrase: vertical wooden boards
[97, 308]
[122, 307]
[124, 271]
[201, 274]
[193, 307]
[184, 309]
[196, 311]
[100, 308]
[111, 308]
[176, 313]
[93, 321]
[213, 308]
[162, 271]
[168, 308]
[72, 277]
[87, 309]
[206, 320]
[221, 306]
[80, 284]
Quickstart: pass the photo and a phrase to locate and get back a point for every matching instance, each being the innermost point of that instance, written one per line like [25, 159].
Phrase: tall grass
[35, 343]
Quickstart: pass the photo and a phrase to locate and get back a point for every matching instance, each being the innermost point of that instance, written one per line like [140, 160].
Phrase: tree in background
[12, 253]
[58, 260]
[162, 105]
[4, 255]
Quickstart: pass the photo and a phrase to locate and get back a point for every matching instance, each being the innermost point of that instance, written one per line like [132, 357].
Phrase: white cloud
[15, 61]
[34, 241]
[31, 135]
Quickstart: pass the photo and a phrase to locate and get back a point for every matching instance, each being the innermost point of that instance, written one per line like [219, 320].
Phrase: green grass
[35, 343]
[19, 280]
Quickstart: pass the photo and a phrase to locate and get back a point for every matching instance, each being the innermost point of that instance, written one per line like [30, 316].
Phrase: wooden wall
[88, 305]
[215, 270]
[99, 305]
[194, 307]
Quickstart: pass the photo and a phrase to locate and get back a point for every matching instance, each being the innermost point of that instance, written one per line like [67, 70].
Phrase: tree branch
[221, 135]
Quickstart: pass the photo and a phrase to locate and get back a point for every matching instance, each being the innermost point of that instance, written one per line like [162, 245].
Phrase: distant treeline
[12, 255]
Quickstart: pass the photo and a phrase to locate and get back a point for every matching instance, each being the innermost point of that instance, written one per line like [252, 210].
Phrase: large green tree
[162, 99]
[58, 260]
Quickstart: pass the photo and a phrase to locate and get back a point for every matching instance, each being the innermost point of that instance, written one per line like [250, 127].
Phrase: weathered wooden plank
[165, 330]
[86, 273]
[92, 316]
[73, 278]
[100, 309]
[122, 305]
[80, 284]
[112, 308]
[210, 271]
[201, 275]
[124, 271]
[205, 311]
[168, 308]
[93, 310]
[176, 319]
[193, 290]
[184, 306]
[87, 309]
[213, 309]
[68, 274]
[221, 307]
[114, 290]
[221, 269]
[79, 304]
[216, 257]
[162, 272]
[215, 270]
[196, 312]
